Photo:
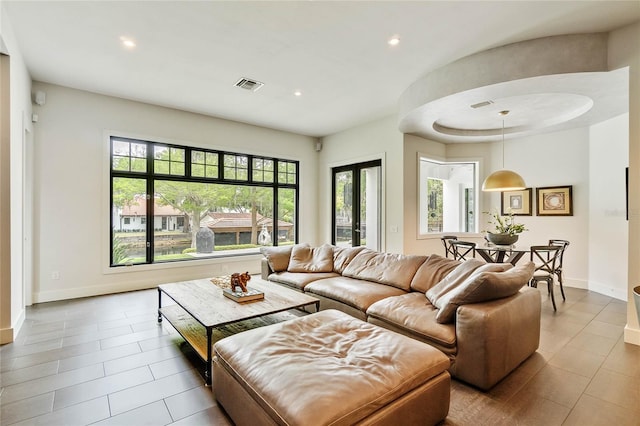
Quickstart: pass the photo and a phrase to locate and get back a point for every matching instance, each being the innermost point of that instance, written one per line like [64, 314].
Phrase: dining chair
[546, 259]
[446, 242]
[463, 249]
[563, 244]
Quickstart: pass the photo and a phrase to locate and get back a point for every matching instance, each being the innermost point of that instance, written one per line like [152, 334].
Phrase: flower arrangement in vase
[506, 229]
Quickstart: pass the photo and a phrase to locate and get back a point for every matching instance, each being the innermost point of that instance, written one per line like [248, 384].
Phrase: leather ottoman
[329, 368]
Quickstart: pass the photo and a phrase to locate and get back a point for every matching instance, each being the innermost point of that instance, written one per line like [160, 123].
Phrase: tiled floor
[104, 360]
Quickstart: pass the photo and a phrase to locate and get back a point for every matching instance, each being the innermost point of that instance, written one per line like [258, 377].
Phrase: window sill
[461, 235]
[145, 267]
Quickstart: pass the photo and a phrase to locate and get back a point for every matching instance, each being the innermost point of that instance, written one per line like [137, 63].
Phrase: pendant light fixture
[503, 180]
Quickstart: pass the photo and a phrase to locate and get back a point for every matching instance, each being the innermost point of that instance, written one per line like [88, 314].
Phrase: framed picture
[517, 203]
[554, 201]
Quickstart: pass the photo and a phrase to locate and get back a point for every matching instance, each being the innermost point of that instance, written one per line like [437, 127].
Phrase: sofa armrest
[494, 337]
[265, 269]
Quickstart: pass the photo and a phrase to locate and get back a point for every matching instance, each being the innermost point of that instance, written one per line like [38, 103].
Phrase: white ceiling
[189, 54]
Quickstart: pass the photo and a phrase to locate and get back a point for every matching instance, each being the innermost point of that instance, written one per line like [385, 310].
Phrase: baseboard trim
[19, 323]
[6, 335]
[620, 294]
[100, 290]
[571, 282]
[79, 292]
[616, 293]
[631, 335]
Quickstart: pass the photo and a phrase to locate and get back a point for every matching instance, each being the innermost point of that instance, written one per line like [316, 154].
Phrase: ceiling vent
[481, 104]
[248, 84]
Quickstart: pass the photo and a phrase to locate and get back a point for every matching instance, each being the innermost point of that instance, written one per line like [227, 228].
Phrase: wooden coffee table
[201, 304]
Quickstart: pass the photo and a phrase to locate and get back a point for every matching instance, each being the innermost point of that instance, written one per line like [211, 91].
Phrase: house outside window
[173, 203]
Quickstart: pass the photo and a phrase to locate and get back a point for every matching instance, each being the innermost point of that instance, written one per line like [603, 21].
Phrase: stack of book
[239, 296]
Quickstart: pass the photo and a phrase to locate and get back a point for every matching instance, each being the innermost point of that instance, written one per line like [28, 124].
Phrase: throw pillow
[396, 270]
[432, 271]
[342, 256]
[483, 286]
[277, 257]
[453, 279]
[311, 259]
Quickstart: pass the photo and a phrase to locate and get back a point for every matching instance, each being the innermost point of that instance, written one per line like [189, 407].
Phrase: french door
[357, 205]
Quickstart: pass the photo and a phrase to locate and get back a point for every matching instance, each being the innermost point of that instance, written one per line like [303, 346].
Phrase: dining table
[493, 253]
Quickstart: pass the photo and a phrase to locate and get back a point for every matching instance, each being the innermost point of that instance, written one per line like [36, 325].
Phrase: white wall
[608, 227]
[557, 159]
[72, 172]
[20, 111]
[379, 139]
[551, 159]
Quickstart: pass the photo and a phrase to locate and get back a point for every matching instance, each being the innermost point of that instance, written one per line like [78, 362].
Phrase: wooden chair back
[561, 243]
[462, 250]
[446, 242]
[546, 258]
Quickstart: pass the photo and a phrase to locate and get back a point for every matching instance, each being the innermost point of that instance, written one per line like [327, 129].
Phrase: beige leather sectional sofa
[481, 315]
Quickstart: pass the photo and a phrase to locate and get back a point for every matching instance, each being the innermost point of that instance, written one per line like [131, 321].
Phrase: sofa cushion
[413, 315]
[311, 259]
[342, 256]
[328, 368]
[483, 286]
[357, 293]
[392, 269]
[299, 280]
[432, 271]
[453, 279]
[277, 257]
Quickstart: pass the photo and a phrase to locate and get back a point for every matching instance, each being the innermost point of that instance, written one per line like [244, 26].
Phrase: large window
[447, 196]
[171, 203]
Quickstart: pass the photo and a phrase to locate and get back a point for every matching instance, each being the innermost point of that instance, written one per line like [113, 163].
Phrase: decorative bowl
[502, 239]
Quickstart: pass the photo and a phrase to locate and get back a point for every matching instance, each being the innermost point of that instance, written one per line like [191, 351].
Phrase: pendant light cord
[503, 113]
[503, 143]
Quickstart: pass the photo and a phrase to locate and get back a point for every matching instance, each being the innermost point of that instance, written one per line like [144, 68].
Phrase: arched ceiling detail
[546, 84]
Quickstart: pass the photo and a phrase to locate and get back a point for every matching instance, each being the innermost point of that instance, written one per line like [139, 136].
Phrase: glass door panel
[369, 222]
[343, 208]
[469, 208]
[357, 204]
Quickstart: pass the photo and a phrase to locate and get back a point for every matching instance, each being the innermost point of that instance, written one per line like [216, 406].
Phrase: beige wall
[6, 329]
[72, 187]
[12, 303]
[624, 50]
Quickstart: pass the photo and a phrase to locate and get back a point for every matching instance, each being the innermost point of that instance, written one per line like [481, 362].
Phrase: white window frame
[422, 196]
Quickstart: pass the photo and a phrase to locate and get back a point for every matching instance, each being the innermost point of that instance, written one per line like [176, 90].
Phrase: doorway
[357, 205]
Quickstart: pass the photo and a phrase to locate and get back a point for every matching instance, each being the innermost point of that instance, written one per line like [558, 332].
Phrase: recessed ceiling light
[297, 93]
[394, 41]
[127, 42]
